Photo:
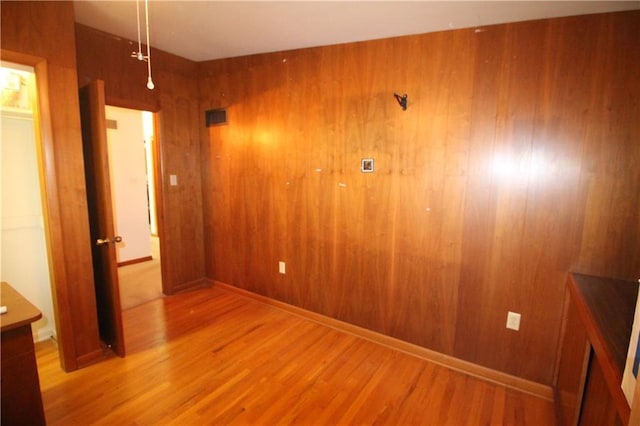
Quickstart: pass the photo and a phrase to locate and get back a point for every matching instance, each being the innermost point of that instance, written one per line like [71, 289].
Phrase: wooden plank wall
[175, 98]
[515, 162]
[41, 34]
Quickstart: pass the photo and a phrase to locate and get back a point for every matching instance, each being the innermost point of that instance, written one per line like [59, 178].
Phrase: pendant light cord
[139, 54]
[150, 84]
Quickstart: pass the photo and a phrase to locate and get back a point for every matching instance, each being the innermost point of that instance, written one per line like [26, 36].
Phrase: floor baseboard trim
[484, 373]
[191, 285]
[134, 261]
[90, 358]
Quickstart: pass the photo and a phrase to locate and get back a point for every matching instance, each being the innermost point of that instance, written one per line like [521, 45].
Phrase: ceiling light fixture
[138, 55]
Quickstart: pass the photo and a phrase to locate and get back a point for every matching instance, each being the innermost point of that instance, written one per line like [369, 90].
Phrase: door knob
[102, 241]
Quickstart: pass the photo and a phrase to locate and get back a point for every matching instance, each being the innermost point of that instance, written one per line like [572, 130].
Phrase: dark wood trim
[132, 104]
[158, 187]
[191, 285]
[134, 261]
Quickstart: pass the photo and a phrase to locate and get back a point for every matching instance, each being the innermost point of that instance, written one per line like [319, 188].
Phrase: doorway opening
[131, 145]
[24, 250]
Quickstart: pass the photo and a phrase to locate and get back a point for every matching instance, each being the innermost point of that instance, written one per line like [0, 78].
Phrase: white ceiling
[204, 30]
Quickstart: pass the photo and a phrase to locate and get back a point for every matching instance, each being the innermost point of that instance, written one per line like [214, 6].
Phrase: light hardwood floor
[211, 356]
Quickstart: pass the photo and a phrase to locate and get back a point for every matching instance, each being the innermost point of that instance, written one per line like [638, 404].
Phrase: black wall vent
[215, 117]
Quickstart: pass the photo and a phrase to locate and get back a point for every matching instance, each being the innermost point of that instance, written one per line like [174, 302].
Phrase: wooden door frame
[158, 188]
[54, 238]
[157, 173]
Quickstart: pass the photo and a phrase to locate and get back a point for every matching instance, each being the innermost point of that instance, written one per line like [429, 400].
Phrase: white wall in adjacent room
[127, 164]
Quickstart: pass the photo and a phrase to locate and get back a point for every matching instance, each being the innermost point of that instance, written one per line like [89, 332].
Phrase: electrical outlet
[282, 267]
[513, 321]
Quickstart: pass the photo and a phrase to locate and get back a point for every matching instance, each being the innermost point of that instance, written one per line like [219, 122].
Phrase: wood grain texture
[211, 356]
[41, 34]
[598, 406]
[101, 218]
[21, 398]
[175, 99]
[474, 370]
[40, 30]
[573, 366]
[606, 309]
[513, 165]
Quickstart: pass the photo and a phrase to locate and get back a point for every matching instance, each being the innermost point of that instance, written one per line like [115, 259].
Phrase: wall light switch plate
[282, 267]
[513, 321]
[173, 180]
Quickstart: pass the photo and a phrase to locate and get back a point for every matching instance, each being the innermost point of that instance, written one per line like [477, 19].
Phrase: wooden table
[21, 398]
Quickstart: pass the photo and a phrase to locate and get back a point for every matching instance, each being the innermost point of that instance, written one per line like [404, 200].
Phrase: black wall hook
[402, 100]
